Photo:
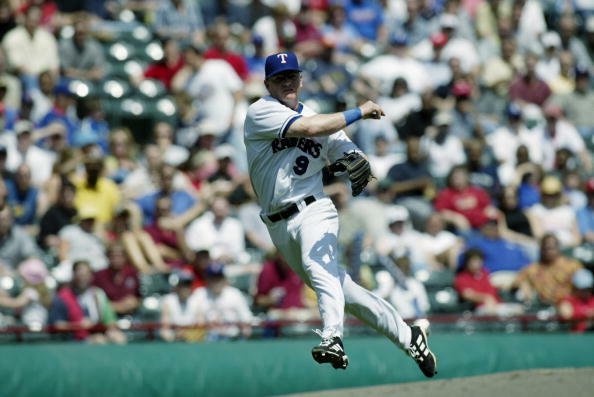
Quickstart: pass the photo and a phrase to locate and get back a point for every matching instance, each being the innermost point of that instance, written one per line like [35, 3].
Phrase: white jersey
[285, 170]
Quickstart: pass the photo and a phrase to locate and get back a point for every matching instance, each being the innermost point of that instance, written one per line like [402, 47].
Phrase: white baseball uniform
[284, 171]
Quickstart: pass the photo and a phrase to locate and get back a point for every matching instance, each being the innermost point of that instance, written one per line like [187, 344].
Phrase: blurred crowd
[124, 190]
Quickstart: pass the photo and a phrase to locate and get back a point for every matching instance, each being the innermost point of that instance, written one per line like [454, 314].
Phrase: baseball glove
[358, 169]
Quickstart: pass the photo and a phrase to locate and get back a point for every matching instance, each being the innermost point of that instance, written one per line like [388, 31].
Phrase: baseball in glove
[357, 168]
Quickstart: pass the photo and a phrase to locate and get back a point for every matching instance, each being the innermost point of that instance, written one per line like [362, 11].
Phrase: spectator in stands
[16, 245]
[169, 240]
[401, 239]
[63, 111]
[528, 87]
[277, 30]
[481, 167]
[13, 96]
[515, 218]
[412, 183]
[579, 306]
[80, 241]
[278, 287]
[505, 141]
[503, 256]
[248, 213]
[552, 215]
[549, 279]
[577, 104]
[31, 49]
[181, 201]
[56, 217]
[21, 149]
[458, 46]
[80, 305]
[462, 204]
[180, 20]
[585, 215]
[7, 18]
[166, 68]
[164, 138]
[220, 303]
[570, 41]
[42, 96]
[218, 232]
[81, 57]
[339, 31]
[180, 309]
[381, 71]
[563, 82]
[439, 246]
[418, 121]
[122, 160]
[214, 86]
[138, 244]
[444, 150]
[220, 35]
[383, 160]
[25, 199]
[402, 290]
[119, 281]
[548, 65]
[559, 134]
[367, 18]
[473, 285]
[97, 191]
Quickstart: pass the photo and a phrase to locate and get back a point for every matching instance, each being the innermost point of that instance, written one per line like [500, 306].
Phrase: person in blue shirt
[181, 201]
[23, 196]
[585, 216]
[367, 17]
[500, 254]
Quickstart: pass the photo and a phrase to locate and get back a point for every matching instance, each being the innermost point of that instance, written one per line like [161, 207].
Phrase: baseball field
[574, 382]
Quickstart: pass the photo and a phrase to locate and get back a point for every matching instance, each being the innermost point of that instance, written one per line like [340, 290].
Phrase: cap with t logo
[281, 62]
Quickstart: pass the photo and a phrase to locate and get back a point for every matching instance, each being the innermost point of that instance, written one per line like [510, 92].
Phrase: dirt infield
[570, 382]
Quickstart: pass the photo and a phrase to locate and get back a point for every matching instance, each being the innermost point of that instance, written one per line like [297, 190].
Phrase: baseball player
[288, 145]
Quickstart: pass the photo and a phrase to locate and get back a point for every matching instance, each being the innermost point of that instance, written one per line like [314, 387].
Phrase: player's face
[285, 87]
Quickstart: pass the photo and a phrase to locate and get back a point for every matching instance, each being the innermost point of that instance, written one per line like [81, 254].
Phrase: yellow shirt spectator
[104, 197]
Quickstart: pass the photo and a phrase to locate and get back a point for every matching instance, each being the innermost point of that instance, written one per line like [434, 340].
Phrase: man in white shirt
[287, 146]
[218, 232]
[219, 303]
[31, 49]
[21, 150]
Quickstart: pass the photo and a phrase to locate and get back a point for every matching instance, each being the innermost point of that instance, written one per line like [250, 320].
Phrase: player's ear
[300, 80]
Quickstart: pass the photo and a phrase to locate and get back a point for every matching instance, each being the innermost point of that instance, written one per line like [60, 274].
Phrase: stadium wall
[265, 367]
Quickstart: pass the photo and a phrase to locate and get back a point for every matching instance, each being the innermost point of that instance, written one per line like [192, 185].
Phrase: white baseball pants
[308, 242]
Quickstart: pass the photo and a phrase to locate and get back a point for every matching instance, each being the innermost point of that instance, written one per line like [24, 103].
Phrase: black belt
[290, 210]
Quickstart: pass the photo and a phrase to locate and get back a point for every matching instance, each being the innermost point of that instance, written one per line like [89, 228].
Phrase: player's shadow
[325, 251]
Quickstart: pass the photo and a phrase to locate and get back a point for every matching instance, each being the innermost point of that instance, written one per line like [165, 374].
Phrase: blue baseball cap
[281, 62]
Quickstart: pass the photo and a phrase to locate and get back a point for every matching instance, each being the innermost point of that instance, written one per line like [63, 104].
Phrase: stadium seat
[115, 89]
[152, 89]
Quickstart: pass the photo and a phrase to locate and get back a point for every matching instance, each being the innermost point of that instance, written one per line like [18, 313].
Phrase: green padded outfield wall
[266, 367]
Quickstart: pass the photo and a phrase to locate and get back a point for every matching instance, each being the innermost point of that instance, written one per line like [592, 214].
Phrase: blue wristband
[352, 115]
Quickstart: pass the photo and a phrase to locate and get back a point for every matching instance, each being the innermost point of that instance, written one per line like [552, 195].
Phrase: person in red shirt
[119, 281]
[579, 306]
[278, 286]
[464, 205]
[220, 38]
[473, 285]
[165, 69]
[529, 88]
